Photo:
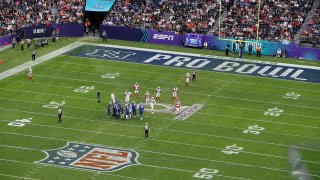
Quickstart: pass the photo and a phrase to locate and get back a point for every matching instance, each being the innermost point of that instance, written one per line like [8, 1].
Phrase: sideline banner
[43, 30]
[6, 40]
[170, 38]
[142, 35]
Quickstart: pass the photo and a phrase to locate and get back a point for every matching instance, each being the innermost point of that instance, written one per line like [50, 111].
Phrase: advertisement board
[193, 40]
[99, 5]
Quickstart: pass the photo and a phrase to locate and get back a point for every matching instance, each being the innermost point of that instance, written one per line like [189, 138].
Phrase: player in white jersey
[113, 98]
[158, 91]
[136, 88]
[147, 95]
[127, 96]
[177, 106]
[175, 93]
[187, 78]
[152, 103]
[30, 70]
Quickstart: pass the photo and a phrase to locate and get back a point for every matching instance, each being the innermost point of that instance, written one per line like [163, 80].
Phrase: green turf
[176, 149]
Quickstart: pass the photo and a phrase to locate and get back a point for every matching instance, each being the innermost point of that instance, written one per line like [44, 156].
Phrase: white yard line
[23, 162]
[172, 82]
[210, 114]
[39, 60]
[168, 154]
[199, 94]
[171, 74]
[18, 177]
[154, 139]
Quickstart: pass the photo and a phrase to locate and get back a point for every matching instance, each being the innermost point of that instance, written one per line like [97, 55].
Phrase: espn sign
[163, 37]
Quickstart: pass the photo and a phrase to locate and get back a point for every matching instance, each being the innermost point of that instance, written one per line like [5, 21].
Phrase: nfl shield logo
[90, 157]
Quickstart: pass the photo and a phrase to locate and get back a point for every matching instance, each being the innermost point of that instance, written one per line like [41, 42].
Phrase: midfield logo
[90, 157]
[110, 54]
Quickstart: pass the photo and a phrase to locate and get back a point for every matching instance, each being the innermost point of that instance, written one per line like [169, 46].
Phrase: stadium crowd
[15, 14]
[71, 10]
[312, 33]
[197, 16]
[279, 20]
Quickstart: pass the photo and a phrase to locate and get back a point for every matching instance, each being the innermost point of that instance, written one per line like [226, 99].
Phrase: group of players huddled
[129, 110]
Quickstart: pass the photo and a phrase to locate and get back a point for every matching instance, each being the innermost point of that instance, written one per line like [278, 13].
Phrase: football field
[232, 127]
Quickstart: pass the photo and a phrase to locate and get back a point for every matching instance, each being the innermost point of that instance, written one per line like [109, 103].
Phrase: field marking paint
[20, 122]
[200, 94]
[160, 167]
[206, 173]
[168, 154]
[201, 55]
[24, 162]
[255, 129]
[19, 177]
[54, 104]
[291, 95]
[211, 114]
[177, 63]
[210, 124]
[162, 118]
[164, 141]
[168, 74]
[233, 149]
[274, 112]
[39, 60]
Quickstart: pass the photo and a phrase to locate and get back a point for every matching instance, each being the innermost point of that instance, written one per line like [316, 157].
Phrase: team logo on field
[110, 54]
[185, 111]
[91, 157]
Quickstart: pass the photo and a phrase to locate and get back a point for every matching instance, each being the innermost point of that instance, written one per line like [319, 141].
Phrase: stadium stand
[311, 35]
[17, 14]
[71, 10]
[180, 16]
[279, 20]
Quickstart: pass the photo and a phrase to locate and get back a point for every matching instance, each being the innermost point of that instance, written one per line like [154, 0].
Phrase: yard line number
[255, 129]
[291, 95]
[233, 149]
[110, 75]
[274, 112]
[84, 89]
[20, 122]
[205, 173]
[54, 104]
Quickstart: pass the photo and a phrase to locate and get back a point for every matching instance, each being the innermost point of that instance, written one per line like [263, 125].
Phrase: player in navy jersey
[134, 109]
[127, 111]
[109, 110]
[141, 107]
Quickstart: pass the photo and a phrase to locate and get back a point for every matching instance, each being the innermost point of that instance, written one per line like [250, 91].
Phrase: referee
[60, 113]
[194, 75]
[146, 131]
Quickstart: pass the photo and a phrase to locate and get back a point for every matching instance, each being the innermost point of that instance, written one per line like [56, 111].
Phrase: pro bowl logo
[90, 157]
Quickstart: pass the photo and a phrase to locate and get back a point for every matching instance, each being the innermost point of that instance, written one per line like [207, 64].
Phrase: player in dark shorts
[60, 113]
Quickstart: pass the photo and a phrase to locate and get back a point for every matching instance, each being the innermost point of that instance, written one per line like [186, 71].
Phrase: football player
[136, 88]
[147, 96]
[113, 98]
[152, 103]
[30, 76]
[187, 79]
[174, 93]
[141, 108]
[127, 96]
[158, 91]
[177, 106]
[134, 109]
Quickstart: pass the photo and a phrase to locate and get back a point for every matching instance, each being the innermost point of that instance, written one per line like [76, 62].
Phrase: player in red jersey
[136, 88]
